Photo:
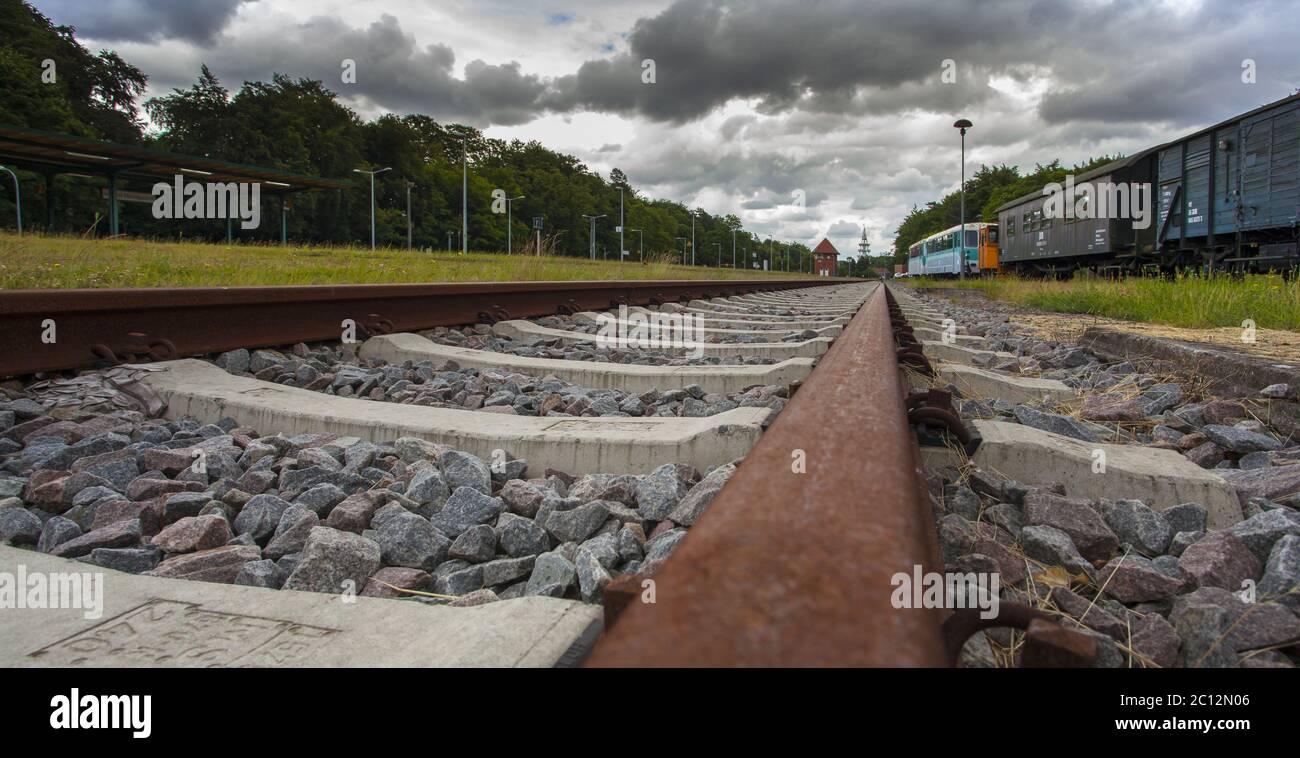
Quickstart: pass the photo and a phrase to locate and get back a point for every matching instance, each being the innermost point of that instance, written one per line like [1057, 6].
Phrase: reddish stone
[405, 578]
[219, 565]
[1156, 639]
[68, 431]
[121, 534]
[1134, 580]
[353, 514]
[146, 489]
[1220, 559]
[1075, 517]
[1104, 408]
[1223, 412]
[18, 432]
[170, 462]
[194, 533]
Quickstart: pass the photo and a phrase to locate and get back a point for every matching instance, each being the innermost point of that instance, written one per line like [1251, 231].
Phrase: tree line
[299, 125]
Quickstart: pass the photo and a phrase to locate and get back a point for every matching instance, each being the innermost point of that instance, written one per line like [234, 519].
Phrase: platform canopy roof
[65, 153]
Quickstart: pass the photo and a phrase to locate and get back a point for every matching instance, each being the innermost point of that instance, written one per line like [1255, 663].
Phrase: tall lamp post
[692, 238]
[372, 198]
[18, 199]
[409, 185]
[963, 125]
[621, 247]
[592, 235]
[510, 227]
[733, 250]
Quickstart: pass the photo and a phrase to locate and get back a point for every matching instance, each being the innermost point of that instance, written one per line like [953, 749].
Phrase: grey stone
[291, 533]
[507, 570]
[321, 498]
[1281, 580]
[658, 549]
[263, 573]
[133, 560]
[1216, 626]
[692, 506]
[576, 524]
[465, 508]
[459, 581]
[551, 571]
[659, 492]
[1054, 548]
[411, 541]
[1186, 517]
[1182, 541]
[55, 532]
[428, 486]
[19, 526]
[334, 561]
[592, 575]
[1054, 423]
[1135, 523]
[522, 537]
[465, 470]
[1238, 440]
[476, 544]
[1260, 532]
[259, 517]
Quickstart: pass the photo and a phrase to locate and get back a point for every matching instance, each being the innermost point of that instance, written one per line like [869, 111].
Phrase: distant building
[825, 258]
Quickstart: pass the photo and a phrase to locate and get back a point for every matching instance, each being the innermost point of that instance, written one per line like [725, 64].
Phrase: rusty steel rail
[794, 569]
[100, 326]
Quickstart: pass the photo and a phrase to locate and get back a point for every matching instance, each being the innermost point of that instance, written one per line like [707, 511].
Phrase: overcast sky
[755, 102]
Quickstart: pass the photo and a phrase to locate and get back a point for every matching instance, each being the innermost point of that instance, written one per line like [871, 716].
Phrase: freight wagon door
[1256, 158]
[1170, 174]
[1284, 183]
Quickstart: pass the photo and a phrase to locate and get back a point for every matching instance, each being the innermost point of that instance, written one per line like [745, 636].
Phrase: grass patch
[1193, 302]
[63, 262]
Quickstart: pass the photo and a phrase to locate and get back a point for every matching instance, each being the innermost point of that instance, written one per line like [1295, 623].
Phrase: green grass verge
[1187, 301]
[56, 262]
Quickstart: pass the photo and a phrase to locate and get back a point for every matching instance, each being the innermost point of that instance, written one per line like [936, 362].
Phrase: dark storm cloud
[1123, 60]
[197, 21]
[393, 73]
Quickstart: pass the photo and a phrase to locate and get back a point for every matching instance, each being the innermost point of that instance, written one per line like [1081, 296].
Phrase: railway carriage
[1225, 197]
[941, 253]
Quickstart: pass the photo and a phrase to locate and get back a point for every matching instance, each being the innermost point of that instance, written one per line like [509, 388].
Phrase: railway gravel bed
[91, 470]
[336, 370]
[1154, 587]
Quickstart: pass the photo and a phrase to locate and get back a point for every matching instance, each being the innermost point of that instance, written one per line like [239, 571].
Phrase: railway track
[746, 497]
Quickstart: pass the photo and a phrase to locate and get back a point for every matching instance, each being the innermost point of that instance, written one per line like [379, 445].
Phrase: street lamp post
[592, 235]
[692, 238]
[464, 197]
[621, 247]
[963, 125]
[733, 251]
[372, 198]
[510, 240]
[409, 185]
[18, 199]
